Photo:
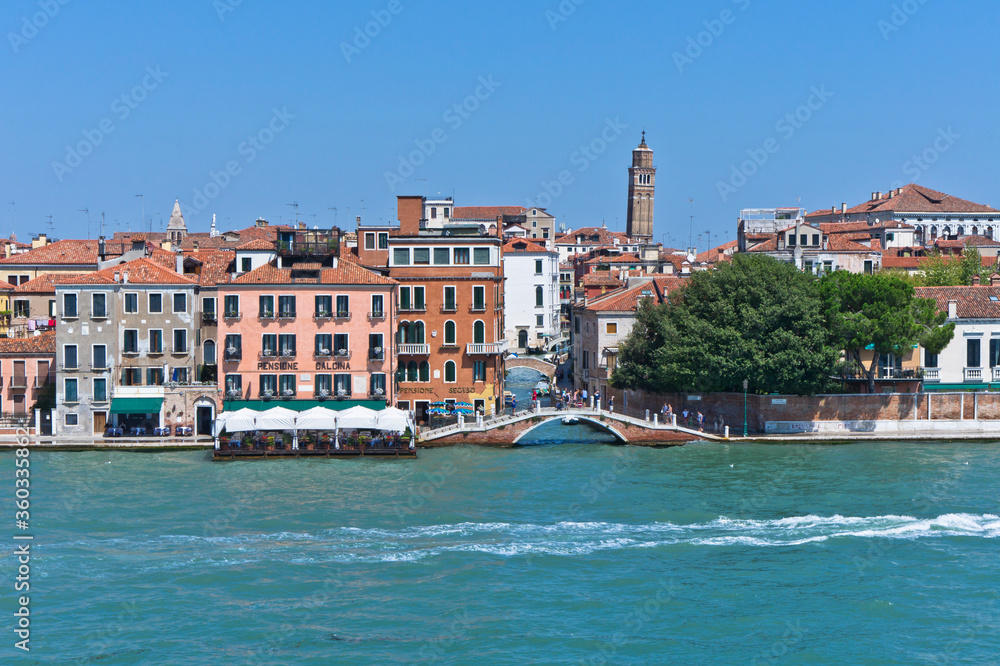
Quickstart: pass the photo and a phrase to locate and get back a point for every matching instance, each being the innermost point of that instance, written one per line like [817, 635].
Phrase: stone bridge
[510, 430]
[538, 364]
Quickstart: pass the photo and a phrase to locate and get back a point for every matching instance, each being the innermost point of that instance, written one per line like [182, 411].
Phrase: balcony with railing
[376, 394]
[342, 353]
[233, 315]
[489, 348]
[286, 314]
[973, 374]
[233, 354]
[996, 373]
[268, 353]
[376, 354]
[265, 315]
[373, 316]
[323, 315]
[323, 352]
[932, 374]
[413, 350]
[19, 382]
[343, 315]
[209, 319]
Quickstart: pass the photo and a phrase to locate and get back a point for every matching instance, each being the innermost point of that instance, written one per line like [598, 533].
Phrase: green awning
[930, 388]
[300, 405]
[136, 405]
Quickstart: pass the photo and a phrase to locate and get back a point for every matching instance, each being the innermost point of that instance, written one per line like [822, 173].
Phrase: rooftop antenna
[102, 224]
[334, 209]
[13, 224]
[295, 205]
[51, 226]
[363, 209]
[87, 211]
[691, 218]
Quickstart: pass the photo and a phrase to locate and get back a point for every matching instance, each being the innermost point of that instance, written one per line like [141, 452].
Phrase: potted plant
[286, 440]
[248, 441]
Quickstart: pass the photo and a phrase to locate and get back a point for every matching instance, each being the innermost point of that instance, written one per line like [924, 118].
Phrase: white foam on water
[503, 539]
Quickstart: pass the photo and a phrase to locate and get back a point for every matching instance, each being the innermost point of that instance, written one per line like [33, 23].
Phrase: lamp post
[746, 384]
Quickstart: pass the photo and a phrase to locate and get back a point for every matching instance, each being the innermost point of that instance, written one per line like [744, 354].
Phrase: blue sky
[201, 77]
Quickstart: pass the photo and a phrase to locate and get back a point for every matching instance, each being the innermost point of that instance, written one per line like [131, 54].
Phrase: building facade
[531, 294]
[302, 331]
[27, 367]
[124, 336]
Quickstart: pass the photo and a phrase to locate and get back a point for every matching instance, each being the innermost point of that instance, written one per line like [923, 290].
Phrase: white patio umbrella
[239, 421]
[317, 418]
[393, 420]
[276, 418]
[357, 418]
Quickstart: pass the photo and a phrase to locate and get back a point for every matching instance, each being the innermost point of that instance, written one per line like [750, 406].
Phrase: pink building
[27, 366]
[299, 333]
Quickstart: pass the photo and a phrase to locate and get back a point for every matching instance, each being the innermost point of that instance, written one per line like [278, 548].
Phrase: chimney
[976, 281]
[180, 262]
[879, 195]
[118, 276]
[125, 277]
[899, 190]
[892, 194]
[833, 210]
[409, 210]
[843, 208]
[165, 245]
[261, 222]
[995, 280]
[952, 309]
[302, 226]
[874, 196]
[196, 246]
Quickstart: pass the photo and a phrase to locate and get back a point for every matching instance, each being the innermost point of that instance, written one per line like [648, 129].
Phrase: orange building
[449, 327]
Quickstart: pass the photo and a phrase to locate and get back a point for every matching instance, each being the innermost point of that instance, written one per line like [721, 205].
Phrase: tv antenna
[87, 211]
[295, 205]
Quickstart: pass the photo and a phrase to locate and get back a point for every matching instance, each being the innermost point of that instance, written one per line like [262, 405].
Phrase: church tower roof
[176, 218]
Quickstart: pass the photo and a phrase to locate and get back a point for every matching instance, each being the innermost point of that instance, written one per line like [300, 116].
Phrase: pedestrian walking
[701, 422]
[611, 404]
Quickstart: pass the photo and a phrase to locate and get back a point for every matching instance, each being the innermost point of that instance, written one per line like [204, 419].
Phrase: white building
[971, 361]
[531, 294]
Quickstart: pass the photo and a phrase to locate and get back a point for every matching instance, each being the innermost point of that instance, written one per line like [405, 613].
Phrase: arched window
[403, 333]
[401, 373]
[449, 371]
[449, 333]
[539, 296]
[425, 371]
[417, 333]
[961, 231]
[209, 352]
[478, 332]
[411, 371]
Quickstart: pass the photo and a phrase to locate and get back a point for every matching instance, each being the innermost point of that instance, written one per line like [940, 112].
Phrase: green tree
[880, 313]
[753, 318]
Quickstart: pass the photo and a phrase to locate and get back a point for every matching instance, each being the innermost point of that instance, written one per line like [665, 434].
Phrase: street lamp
[746, 385]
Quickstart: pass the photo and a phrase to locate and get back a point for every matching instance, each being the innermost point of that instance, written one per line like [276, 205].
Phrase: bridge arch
[538, 364]
[589, 419]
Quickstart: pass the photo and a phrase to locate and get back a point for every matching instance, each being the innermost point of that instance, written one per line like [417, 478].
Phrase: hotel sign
[333, 365]
[278, 365]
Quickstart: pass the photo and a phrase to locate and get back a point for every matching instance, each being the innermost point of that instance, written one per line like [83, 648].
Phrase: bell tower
[641, 184]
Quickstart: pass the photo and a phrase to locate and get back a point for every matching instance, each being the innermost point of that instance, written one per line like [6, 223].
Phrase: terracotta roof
[592, 236]
[6, 286]
[523, 245]
[972, 302]
[616, 259]
[77, 252]
[140, 271]
[627, 299]
[903, 262]
[43, 343]
[485, 212]
[913, 199]
[973, 241]
[770, 245]
[307, 266]
[601, 279]
[716, 253]
[257, 244]
[841, 244]
[215, 268]
[347, 272]
[45, 283]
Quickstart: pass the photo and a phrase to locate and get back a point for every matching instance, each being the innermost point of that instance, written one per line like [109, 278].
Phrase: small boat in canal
[570, 420]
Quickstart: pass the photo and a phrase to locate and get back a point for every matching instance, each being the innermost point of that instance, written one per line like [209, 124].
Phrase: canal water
[576, 552]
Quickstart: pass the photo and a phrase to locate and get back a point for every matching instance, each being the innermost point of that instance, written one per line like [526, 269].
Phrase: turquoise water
[572, 553]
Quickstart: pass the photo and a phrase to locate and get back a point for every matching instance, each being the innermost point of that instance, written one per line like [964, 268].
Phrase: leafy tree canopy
[753, 318]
